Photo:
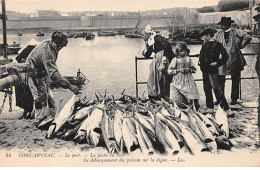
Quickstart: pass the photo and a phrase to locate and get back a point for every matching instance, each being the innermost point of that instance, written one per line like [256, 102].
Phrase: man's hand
[74, 89]
[214, 64]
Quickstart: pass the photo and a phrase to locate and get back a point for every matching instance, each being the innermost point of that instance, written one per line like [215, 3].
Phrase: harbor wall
[126, 22]
[241, 18]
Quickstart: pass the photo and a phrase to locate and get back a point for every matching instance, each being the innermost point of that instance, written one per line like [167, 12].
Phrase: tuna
[222, 120]
[61, 117]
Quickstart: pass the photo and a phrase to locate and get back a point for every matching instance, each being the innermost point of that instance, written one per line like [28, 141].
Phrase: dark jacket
[209, 53]
[160, 44]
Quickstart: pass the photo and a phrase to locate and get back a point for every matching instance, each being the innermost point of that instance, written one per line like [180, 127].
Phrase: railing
[196, 55]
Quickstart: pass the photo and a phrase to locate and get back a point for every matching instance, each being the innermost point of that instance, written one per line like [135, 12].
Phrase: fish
[94, 132]
[176, 131]
[217, 127]
[203, 127]
[62, 116]
[81, 114]
[222, 120]
[165, 112]
[107, 128]
[209, 124]
[129, 135]
[192, 140]
[146, 123]
[118, 124]
[165, 136]
[143, 139]
[46, 123]
[81, 135]
[70, 134]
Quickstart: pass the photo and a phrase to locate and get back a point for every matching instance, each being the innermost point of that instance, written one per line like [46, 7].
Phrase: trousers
[211, 82]
[42, 96]
[235, 78]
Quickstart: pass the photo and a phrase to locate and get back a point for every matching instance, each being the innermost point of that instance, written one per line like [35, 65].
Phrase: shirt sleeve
[224, 55]
[192, 66]
[172, 67]
[52, 70]
[246, 38]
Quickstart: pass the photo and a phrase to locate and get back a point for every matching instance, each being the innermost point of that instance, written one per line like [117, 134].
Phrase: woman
[158, 84]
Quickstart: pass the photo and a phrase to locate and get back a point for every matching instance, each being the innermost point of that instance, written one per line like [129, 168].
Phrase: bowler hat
[225, 21]
[207, 31]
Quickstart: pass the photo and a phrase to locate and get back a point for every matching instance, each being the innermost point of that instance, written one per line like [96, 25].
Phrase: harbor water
[109, 63]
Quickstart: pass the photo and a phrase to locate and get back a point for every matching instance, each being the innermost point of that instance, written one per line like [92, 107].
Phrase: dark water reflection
[109, 62]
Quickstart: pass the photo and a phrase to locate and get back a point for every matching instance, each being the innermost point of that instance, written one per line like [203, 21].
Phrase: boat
[106, 33]
[11, 49]
[76, 34]
[188, 41]
[120, 32]
[39, 34]
[90, 36]
[133, 35]
[136, 34]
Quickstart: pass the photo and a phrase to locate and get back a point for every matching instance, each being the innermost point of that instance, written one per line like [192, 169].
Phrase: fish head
[111, 147]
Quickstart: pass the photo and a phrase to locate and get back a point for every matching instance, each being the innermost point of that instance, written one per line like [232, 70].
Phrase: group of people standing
[220, 55]
[170, 73]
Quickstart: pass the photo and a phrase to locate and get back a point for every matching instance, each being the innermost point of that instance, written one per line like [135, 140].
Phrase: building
[46, 13]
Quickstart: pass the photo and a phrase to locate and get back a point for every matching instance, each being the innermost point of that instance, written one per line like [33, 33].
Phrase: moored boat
[106, 33]
[76, 34]
[120, 32]
[40, 34]
[132, 35]
[11, 49]
[89, 36]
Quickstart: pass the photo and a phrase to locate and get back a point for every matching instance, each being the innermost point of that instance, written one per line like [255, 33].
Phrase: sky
[30, 6]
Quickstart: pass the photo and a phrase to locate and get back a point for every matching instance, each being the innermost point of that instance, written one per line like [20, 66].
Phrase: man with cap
[158, 84]
[233, 41]
[42, 69]
[209, 62]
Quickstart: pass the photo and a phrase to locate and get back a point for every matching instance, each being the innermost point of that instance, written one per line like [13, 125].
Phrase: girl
[183, 89]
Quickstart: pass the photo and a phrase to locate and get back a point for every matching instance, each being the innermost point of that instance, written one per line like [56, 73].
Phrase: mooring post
[3, 17]
[136, 79]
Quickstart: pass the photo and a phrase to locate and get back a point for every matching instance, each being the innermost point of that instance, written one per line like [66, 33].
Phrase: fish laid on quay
[133, 125]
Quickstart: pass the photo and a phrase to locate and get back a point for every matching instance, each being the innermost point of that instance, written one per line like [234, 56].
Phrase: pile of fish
[138, 125]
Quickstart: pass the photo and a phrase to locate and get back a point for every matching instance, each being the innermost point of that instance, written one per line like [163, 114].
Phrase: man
[158, 84]
[42, 69]
[233, 41]
[210, 61]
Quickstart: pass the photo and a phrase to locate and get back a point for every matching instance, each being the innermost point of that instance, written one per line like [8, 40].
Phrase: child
[183, 83]
[210, 61]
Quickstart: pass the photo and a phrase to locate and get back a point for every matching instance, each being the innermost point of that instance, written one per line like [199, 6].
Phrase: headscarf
[148, 30]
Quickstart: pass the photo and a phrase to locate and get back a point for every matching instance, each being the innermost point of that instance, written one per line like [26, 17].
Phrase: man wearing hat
[233, 41]
[158, 84]
[209, 62]
[42, 69]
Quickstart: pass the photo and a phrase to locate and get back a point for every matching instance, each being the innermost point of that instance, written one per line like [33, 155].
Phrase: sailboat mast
[186, 17]
[173, 22]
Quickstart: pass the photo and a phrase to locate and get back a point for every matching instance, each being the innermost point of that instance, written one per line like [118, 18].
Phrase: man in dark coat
[210, 61]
